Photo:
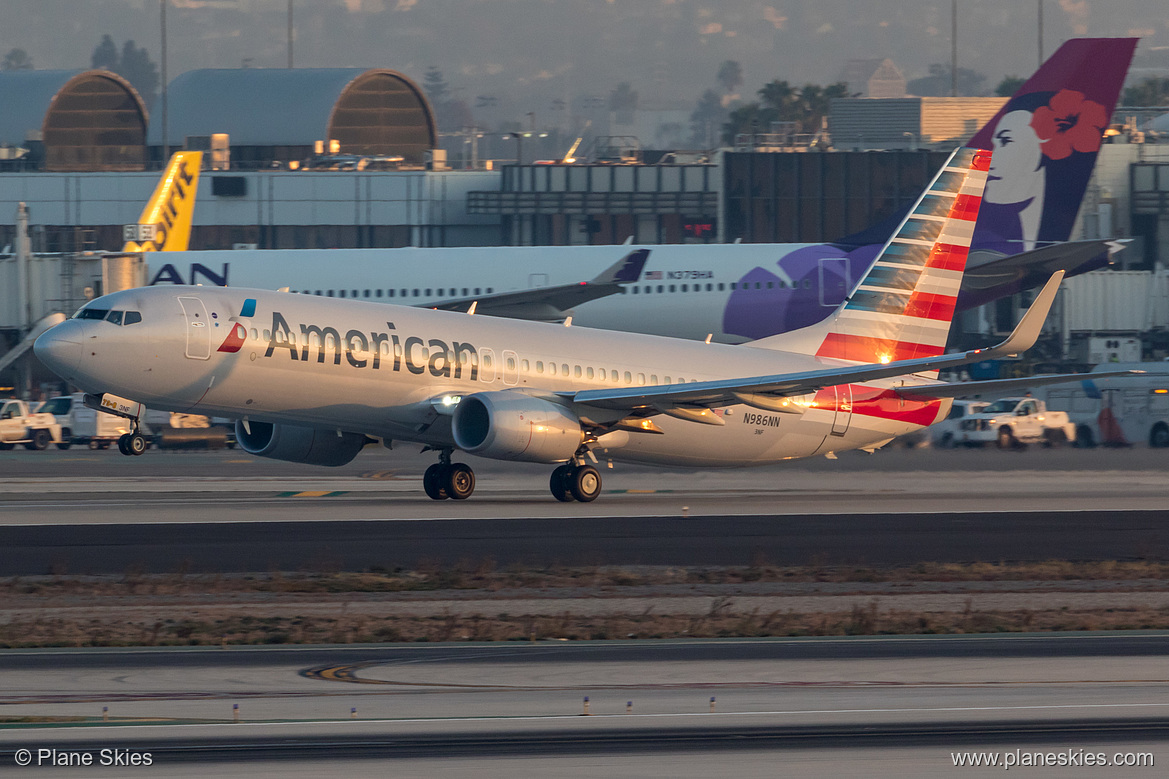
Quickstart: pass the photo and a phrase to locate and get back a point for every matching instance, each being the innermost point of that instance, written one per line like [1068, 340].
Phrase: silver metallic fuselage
[380, 369]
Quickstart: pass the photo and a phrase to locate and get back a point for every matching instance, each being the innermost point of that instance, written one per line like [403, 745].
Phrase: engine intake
[298, 444]
[514, 426]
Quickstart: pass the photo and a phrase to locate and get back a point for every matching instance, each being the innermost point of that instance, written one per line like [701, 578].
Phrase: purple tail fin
[1045, 141]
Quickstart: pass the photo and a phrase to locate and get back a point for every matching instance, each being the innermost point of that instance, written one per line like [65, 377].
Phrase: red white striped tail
[903, 307]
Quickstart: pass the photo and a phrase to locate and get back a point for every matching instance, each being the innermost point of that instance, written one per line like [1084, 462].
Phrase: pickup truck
[83, 425]
[18, 425]
[1015, 422]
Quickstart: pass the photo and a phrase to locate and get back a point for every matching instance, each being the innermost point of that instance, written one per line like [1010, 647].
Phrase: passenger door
[198, 328]
[833, 281]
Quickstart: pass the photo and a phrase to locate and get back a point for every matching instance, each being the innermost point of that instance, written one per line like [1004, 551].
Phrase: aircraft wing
[725, 392]
[969, 389]
[551, 303]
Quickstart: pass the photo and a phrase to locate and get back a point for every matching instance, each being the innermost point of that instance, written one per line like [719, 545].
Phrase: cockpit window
[92, 313]
[115, 317]
[132, 318]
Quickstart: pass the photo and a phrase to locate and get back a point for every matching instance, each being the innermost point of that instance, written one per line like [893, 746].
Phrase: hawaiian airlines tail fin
[165, 224]
[1045, 141]
[902, 308]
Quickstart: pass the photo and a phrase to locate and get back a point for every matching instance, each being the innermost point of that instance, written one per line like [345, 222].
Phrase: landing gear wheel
[433, 481]
[122, 439]
[558, 484]
[585, 483]
[136, 444]
[459, 482]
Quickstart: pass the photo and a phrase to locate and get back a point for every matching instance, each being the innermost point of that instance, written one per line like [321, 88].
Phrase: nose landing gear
[445, 479]
[133, 443]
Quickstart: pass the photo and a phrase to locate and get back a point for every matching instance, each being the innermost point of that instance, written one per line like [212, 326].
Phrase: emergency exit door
[843, 409]
[198, 328]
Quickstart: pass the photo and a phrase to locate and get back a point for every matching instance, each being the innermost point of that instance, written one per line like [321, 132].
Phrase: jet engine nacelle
[298, 444]
[514, 426]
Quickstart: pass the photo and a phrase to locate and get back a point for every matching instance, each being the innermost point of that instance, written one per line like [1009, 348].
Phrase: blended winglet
[624, 271]
[1027, 332]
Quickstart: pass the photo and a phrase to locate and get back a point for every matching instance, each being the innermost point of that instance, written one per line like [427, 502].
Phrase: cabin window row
[486, 358]
[646, 289]
[420, 292]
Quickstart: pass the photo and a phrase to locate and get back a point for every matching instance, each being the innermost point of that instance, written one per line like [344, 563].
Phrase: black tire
[122, 444]
[1054, 439]
[40, 441]
[558, 484]
[66, 439]
[433, 481]
[946, 441]
[5, 447]
[1005, 438]
[585, 483]
[1084, 439]
[459, 482]
[63, 445]
[1159, 438]
[136, 444]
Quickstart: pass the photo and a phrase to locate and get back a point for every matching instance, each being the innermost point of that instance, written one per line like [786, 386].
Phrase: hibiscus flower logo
[1069, 123]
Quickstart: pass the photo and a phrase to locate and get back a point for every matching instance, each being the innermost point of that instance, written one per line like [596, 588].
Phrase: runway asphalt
[838, 539]
[842, 706]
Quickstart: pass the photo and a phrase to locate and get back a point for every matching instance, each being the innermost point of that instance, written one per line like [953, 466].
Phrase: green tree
[706, 120]
[1151, 92]
[730, 75]
[105, 55]
[435, 85]
[1009, 86]
[136, 67]
[16, 59]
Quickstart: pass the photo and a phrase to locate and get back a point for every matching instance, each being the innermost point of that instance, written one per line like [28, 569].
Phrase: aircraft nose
[59, 350]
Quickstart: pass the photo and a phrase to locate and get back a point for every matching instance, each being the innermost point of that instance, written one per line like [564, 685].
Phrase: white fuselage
[376, 369]
[684, 292]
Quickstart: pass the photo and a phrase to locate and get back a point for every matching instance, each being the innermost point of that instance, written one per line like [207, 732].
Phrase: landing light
[451, 400]
[884, 359]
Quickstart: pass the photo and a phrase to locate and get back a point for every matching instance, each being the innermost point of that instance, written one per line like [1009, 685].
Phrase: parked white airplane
[1047, 135]
[313, 379]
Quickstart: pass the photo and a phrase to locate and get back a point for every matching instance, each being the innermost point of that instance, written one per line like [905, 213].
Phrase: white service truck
[18, 425]
[1015, 422]
[83, 425]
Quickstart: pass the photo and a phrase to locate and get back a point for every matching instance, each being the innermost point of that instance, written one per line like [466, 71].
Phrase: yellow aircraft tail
[165, 224]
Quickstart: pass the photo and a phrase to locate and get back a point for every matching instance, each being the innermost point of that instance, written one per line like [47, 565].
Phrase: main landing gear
[133, 443]
[445, 479]
[575, 480]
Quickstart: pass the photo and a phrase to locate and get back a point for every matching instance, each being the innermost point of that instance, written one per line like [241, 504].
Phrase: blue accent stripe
[948, 181]
[907, 254]
[934, 205]
[920, 230]
[881, 302]
[249, 309]
[897, 278]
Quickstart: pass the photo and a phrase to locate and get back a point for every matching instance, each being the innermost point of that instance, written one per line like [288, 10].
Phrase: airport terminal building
[352, 158]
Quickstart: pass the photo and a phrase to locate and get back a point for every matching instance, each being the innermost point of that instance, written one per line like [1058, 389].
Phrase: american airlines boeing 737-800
[1046, 139]
[314, 380]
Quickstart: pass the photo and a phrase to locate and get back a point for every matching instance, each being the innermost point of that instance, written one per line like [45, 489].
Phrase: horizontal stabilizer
[729, 391]
[997, 387]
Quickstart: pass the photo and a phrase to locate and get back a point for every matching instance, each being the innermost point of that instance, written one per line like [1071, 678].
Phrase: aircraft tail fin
[903, 307]
[165, 224]
[1045, 141]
